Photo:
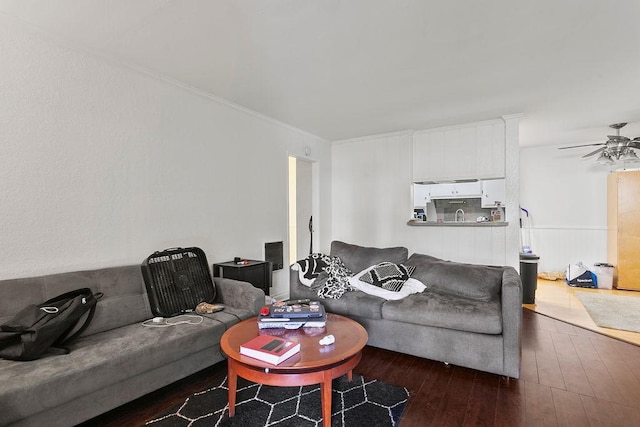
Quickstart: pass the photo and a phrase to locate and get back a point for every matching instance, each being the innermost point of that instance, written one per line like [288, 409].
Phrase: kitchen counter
[457, 224]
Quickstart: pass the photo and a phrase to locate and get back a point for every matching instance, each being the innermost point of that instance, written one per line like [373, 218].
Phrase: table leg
[232, 380]
[325, 390]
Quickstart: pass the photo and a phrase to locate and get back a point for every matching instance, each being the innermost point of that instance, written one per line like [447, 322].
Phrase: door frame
[315, 204]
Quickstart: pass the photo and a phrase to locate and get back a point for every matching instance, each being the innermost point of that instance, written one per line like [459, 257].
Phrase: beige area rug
[612, 311]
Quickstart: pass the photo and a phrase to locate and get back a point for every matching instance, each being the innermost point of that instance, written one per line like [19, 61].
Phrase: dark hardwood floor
[570, 377]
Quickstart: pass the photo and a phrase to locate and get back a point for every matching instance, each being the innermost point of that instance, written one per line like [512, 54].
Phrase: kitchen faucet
[456, 215]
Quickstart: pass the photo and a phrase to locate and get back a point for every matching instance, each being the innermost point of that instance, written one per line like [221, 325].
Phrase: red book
[270, 349]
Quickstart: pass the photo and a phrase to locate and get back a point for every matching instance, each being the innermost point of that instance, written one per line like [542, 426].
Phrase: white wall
[375, 172]
[566, 197]
[372, 203]
[101, 165]
[371, 189]
[564, 194]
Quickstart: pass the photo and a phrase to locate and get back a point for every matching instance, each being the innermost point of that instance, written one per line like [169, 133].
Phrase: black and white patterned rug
[360, 402]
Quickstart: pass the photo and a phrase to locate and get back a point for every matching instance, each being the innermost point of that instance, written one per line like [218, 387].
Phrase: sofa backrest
[474, 281]
[124, 302]
[357, 258]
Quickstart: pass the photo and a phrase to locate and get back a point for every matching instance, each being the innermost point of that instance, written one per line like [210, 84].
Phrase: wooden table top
[350, 337]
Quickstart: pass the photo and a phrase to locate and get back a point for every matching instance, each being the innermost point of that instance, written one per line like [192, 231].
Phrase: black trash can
[529, 277]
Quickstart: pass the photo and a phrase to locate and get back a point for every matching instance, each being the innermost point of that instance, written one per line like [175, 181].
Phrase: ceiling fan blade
[594, 152]
[583, 145]
[635, 143]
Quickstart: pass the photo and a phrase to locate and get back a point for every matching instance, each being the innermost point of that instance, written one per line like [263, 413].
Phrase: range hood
[455, 181]
[453, 203]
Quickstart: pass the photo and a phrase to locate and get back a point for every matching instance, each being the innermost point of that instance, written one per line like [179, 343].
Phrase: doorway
[301, 227]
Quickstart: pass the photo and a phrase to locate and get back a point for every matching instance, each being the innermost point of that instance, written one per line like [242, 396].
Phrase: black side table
[258, 273]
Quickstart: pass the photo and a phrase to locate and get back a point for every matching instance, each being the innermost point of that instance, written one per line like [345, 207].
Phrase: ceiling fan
[617, 147]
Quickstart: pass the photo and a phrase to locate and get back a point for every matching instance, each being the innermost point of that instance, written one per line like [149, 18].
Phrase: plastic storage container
[604, 273]
[529, 277]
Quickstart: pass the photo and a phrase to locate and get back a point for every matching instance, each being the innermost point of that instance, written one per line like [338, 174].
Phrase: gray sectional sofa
[469, 315]
[116, 359]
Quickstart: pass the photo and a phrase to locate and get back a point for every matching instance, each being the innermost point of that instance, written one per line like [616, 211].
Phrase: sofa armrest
[239, 294]
[511, 320]
[296, 289]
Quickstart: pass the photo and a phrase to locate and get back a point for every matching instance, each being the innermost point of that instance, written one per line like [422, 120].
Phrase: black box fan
[177, 280]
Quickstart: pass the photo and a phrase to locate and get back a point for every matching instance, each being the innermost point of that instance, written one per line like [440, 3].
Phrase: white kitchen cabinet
[421, 195]
[455, 190]
[439, 191]
[493, 190]
[470, 151]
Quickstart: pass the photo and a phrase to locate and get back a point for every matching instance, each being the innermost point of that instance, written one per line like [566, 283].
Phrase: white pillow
[411, 286]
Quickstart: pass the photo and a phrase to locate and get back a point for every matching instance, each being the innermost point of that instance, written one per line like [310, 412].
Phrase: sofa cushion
[479, 282]
[446, 311]
[417, 259]
[102, 359]
[124, 298]
[350, 304]
[357, 258]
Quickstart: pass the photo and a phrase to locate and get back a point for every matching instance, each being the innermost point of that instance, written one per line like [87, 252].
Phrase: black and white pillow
[310, 267]
[388, 275]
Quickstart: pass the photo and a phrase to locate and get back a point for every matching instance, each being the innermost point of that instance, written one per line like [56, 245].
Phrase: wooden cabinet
[493, 190]
[623, 225]
[471, 151]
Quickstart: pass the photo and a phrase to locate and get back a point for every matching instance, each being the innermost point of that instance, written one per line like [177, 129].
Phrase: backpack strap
[93, 299]
[69, 295]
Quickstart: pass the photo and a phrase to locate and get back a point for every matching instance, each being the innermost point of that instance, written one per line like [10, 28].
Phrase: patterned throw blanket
[326, 274]
[336, 282]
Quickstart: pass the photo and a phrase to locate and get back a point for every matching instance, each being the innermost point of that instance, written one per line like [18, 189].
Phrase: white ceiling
[348, 68]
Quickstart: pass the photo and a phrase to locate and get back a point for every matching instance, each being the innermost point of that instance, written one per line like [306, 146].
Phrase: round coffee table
[314, 364]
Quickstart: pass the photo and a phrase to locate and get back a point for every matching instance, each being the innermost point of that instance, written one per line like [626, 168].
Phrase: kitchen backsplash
[446, 209]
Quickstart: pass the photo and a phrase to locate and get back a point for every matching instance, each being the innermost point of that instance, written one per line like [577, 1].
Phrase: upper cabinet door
[472, 151]
[421, 195]
[493, 190]
[455, 190]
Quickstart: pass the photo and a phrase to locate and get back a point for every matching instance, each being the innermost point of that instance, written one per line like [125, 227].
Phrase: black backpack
[37, 329]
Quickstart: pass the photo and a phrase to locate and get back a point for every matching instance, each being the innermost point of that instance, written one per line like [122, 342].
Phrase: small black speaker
[273, 252]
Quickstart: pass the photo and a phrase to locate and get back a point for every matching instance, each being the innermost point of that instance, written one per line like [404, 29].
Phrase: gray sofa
[116, 359]
[469, 315]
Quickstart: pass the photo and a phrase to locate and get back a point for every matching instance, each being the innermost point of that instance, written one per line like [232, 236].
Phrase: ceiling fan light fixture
[604, 159]
[629, 156]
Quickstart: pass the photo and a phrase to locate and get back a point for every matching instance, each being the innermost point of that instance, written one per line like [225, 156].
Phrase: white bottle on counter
[498, 214]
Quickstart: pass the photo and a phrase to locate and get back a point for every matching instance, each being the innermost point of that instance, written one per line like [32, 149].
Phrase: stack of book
[294, 315]
[270, 349]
